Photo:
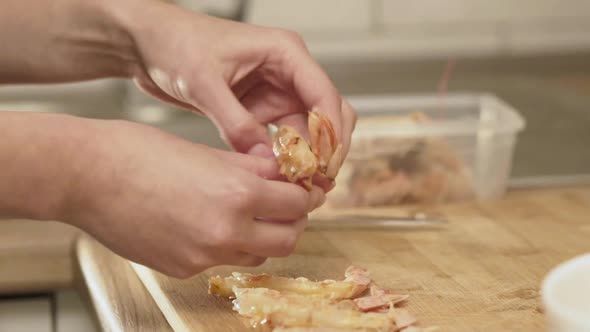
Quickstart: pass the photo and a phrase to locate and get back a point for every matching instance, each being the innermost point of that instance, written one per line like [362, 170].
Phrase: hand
[179, 207]
[241, 76]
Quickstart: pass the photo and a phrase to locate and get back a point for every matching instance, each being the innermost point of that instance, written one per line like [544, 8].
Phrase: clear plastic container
[427, 149]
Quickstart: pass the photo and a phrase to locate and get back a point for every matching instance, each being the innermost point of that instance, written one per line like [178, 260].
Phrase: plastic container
[427, 149]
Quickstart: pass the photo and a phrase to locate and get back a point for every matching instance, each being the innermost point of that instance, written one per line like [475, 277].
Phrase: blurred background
[534, 54]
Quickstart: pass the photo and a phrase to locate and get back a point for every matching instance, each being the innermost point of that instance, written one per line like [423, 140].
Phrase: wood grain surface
[35, 256]
[120, 301]
[481, 273]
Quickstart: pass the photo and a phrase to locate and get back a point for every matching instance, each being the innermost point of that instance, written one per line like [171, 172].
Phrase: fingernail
[321, 201]
[313, 199]
[331, 185]
[317, 198]
[261, 150]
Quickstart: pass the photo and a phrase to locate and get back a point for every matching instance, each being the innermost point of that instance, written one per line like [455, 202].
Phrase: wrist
[132, 18]
[157, 30]
[91, 39]
[40, 158]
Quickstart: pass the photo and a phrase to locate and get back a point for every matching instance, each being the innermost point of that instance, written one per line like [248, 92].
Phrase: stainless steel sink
[555, 142]
[109, 99]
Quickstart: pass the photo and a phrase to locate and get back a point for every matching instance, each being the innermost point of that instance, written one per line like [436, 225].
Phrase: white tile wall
[336, 29]
[398, 45]
[219, 7]
[311, 15]
[426, 11]
[25, 315]
[549, 36]
[72, 313]
[516, 26]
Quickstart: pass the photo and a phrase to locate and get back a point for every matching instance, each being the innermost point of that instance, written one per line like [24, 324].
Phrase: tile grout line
[53, 311]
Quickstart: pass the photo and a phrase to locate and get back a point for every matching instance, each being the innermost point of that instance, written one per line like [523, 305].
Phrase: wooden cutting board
[481, 273]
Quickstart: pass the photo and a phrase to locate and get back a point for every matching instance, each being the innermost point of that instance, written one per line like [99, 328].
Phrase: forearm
[40, 162]
[65, 40]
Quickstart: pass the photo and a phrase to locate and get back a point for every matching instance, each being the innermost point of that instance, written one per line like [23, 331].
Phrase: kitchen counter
[481, 273]
[35, 256]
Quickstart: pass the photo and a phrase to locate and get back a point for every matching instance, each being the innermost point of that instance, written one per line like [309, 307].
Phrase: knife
[351, 221]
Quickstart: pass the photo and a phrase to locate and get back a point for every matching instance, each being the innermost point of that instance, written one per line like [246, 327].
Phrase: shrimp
[324, 144]
[267, 306]
[280, 304]
[294, 156]
[379, 299]
[299, 160]
[356, 281]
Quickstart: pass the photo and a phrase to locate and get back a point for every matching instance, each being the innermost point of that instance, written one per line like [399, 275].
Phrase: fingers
[349, 118]
[282, 200]
[318, 197]
[310, 83]
[316, 90]
[239, 128]
[302, 73]
[269, 103]
[263, 167]
[251, 260]
[323, 182]
[238, 258]
[297, 121]
[266, 239]
[248, 242]
[271, 198]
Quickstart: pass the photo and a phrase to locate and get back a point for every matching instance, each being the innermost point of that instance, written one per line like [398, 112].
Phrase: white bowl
[566, 296]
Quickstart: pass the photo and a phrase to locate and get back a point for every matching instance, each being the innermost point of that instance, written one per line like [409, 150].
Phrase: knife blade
[351, 221]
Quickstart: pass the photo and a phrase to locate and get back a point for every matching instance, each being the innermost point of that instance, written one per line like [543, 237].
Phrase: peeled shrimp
[356, 281]
[299, 160]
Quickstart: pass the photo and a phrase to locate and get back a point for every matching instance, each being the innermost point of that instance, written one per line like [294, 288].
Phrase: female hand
[179, 207]
[241, 76]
